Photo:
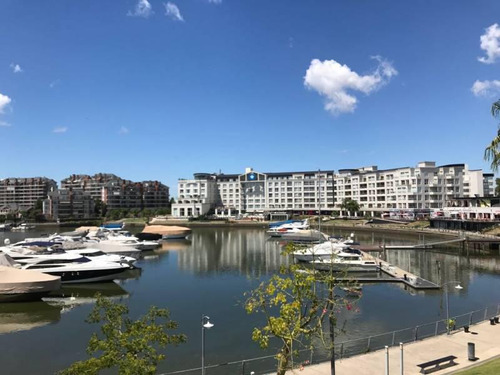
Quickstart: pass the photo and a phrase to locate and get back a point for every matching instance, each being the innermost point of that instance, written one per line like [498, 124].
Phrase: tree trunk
[283, 361]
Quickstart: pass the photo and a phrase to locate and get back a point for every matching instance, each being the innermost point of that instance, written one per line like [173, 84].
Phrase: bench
[436, 364]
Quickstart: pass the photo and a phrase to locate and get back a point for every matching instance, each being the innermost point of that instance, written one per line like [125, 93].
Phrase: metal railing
[349, 348]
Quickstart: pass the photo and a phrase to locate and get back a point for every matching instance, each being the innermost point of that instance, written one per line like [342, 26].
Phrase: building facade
[69, 204]
[255, 192]
[423, 188]
[426, 186]
[118, 193]
[25, 192]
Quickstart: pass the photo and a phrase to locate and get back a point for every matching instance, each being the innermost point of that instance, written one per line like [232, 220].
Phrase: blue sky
[160, 90]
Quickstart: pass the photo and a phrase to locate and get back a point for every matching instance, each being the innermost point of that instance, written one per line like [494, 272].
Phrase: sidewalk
[484, 335]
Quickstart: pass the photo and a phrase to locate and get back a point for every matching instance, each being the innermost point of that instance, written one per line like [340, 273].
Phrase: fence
[345, 349]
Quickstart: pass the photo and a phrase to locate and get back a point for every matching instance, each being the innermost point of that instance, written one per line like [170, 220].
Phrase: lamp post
[205, 324]
[445, 285]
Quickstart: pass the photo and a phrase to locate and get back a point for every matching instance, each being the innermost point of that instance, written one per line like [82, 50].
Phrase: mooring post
[401, 358]
[386, 360]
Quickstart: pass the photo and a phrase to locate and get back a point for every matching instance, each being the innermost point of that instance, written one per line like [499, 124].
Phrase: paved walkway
[484, 335]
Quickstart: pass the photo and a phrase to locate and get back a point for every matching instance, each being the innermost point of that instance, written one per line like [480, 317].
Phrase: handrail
[413, 331]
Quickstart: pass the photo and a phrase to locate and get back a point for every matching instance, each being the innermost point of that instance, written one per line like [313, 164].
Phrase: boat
[278, 231]
[23, 227]
[324, 250]
[97, 254]
[113, 226]
[168, 232]
[81, 270]
[115, 247]
[17, 284]
[345, 262]
[304, 235]
[5, 227]
[280, 223]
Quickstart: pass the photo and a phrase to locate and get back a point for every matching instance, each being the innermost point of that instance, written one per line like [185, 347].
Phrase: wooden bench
[436, 364]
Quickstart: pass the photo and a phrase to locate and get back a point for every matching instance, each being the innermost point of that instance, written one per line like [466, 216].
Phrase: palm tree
[492, 152]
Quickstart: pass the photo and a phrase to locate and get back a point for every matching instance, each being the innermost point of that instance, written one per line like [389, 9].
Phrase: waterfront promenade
[483, 335]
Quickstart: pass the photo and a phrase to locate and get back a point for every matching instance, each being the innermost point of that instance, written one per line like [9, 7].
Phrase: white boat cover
[166, 229]
[18, 281]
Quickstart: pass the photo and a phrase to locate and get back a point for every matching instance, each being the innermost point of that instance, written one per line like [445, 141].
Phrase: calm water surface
[208, 274]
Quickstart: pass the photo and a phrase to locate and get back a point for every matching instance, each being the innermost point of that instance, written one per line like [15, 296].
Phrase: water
[209, 274]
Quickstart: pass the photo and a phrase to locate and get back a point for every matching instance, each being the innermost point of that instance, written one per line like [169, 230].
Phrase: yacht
[23, 227]
[294, 226]
[346, 262]
[324, 250]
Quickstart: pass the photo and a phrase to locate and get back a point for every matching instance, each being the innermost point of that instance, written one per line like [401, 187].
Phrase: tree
[350, 205]
[129, 345]
[295, 304]
[492, 152]
[497, 187]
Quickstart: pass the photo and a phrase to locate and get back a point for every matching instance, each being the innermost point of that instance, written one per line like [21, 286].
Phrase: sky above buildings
[161, 90]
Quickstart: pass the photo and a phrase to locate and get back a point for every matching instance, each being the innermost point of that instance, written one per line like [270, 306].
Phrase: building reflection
[246, 252]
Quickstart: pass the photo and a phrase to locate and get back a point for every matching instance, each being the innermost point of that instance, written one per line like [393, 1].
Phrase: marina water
[209, 274]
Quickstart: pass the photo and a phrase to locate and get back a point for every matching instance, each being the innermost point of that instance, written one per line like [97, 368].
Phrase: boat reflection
[24, 316]
[173, 245]
[82, 294]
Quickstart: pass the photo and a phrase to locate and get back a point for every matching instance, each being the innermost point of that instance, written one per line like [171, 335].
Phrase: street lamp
[458, 287]
[205, 324]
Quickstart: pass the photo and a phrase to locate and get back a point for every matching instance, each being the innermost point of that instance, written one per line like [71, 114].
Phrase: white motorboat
[23, 227]
[5, 227]
[289, 227]
[96, 254]
[324, 250]
[82, 270]
[346, 262]
[17, 284]
[115, 247]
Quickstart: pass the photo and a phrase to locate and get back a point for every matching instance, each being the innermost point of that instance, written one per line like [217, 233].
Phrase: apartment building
[255, 192]
[69, 204]
[25, 192]
[118, 193]
[426, 186]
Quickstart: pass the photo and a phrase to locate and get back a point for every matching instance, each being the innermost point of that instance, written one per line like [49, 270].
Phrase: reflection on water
[79, 294]
[23, 316]
[246, 252]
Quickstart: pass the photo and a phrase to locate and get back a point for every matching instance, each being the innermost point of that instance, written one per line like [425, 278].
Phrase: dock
[398, 275]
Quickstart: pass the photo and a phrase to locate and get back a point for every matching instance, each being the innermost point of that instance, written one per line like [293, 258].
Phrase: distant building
[254, 192]
[426, 186]
[24, 193]
[69, 204]
[401, 192]
[118, 193]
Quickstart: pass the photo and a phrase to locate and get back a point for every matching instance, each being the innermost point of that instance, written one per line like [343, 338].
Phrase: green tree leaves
[131, 346]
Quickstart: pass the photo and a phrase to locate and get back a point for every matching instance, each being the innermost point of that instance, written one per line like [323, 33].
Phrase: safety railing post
[436, 330]
[243, 367]
[311, 356]
[368, 346]
[393, 337]
[416, 333]
[485, 313]
[470, 319]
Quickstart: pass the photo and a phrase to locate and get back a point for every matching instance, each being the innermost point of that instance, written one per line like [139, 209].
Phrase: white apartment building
[255, 192]
[426, 186]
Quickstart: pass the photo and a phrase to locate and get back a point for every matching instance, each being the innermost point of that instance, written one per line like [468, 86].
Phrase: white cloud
[291, 42]
[4, 124]
[490, 42]
[336, 82]
[142, 9]
[60, 129]
[215, 1]
[4, 102]
[172, 11]
[486, 88]
[16, 68]
[54, 83]
[123, 130]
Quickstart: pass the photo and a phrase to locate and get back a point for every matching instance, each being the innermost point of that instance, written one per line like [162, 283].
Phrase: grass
[489, 368]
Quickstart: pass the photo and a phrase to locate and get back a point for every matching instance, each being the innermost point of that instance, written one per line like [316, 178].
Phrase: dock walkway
[401, 275]
[483, 335]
